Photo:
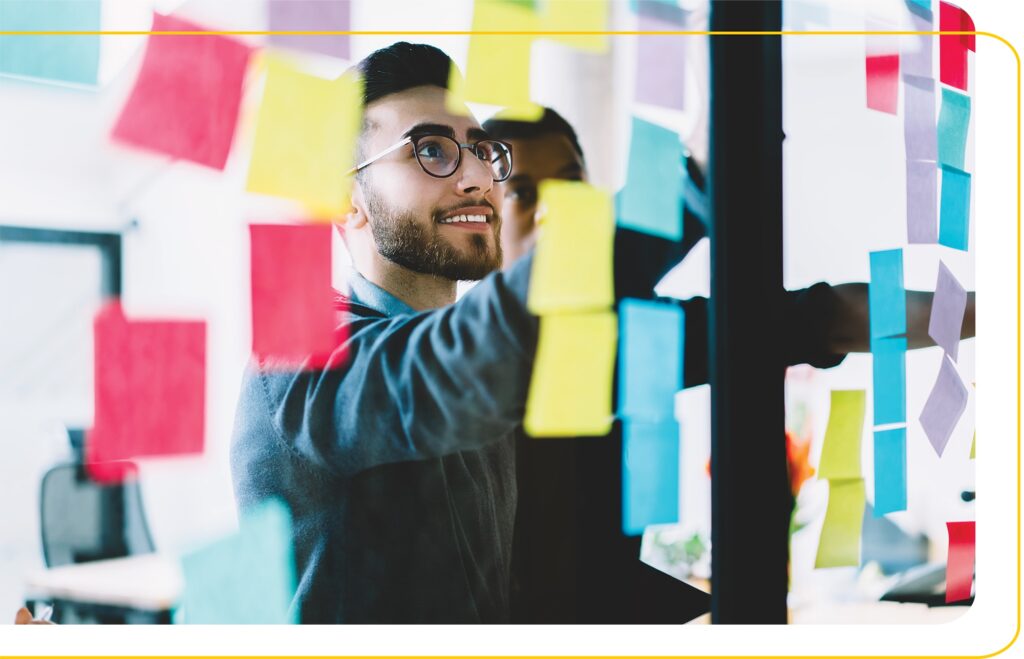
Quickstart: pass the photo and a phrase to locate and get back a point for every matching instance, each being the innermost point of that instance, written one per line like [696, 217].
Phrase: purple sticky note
[916, 51]
[944, 407]
[659, 64]
[922, 207]
[311, 15]
[948, 308]
[919, 132]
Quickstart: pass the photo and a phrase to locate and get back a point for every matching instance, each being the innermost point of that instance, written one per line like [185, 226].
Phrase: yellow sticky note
[572, 263]
[840, 454]
[497, 66]
[973, 440]
[305, 141]
[577, 16]
[840, 536]
[571, 388]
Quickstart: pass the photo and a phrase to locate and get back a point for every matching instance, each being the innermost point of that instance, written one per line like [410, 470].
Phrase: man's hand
[24, 617]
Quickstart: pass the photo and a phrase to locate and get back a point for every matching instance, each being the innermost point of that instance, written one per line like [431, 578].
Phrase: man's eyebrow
[430, 129]
[571, 168]
[477, 134]
[520, 178]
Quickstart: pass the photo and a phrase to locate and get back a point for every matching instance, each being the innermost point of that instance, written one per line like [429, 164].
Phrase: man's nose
[474, 175]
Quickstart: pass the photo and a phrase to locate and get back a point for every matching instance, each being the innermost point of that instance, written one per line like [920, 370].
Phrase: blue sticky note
[954, 115]
[651, 338]
[923, 4]
[652, 200]
[650, 474]
[955, 208]
[62, 58]
[886, 297]
[246, 578]
[889, 378]
[890, 470]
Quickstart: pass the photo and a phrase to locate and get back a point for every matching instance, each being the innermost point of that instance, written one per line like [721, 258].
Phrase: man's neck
[419, 291]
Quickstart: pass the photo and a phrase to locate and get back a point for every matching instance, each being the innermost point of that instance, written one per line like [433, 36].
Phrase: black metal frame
[750, 497]
[109, 245]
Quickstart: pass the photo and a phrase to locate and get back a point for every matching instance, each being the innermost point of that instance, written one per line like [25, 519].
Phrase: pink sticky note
[186, 99]
[312, 16]
[660, 63]
[883, 78]
[960, 561]
[294, 312]
[967, 25]
[953, 47]
[150, 390]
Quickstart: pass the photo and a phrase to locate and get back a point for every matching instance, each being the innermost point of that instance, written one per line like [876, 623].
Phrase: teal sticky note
[652, 199]
[954, 116]
[955, 208]
[890, 470]
[651, 338]
[60, 58]
[886, 297]
[650, 474]
[889, 378]
[245, 578]
[923, 4]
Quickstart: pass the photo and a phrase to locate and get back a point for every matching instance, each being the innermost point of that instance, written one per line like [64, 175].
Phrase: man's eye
[526, 196]
[430, 150]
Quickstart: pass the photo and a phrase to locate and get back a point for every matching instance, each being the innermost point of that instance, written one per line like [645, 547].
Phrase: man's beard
[406, 242]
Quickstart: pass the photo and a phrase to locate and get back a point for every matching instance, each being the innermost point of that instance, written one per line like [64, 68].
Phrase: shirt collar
[365, 292]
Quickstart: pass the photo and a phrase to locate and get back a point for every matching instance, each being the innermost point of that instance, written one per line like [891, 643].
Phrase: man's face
[415, 217]
[548, 156]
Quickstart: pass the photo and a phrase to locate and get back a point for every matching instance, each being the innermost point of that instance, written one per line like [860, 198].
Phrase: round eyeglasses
[440, 155]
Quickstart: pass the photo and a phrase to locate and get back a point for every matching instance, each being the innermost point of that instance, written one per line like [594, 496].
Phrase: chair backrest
[82, 520]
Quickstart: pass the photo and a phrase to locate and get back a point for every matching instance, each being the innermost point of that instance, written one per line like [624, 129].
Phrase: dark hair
[402, 66]
[550, 122]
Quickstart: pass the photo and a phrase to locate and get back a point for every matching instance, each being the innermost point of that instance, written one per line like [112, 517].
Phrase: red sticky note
[967, 25]
[953, 47]
[883, 79]
[150, 390]
[960, 561]
[186, 99]
[295, 319]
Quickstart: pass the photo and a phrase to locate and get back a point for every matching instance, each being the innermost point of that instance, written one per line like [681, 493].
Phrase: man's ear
[356, 217]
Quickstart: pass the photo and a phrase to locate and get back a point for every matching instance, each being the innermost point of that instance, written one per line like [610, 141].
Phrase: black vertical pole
[750, 498]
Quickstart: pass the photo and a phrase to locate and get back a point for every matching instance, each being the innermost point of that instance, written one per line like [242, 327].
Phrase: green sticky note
[840, 454]
[571, 387]
[60, 58]
[954, 117]
[651, 201]
[245, 578]
[840, 535]
[572, 263]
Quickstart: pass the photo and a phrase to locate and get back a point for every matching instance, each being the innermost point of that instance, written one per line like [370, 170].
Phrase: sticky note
[967, 25]
[890, 471]
[308, 16]
[955, 208]
[305, 140]
[922, 202]
[660, 64]
[916, 49]
[571, 386]
[945, 405]
[497, 67]
[923, 4]
[953, 47]
[150, 387]
[651, 200]
[294, 321]
[959, 561]
[572, 263]
[954, 115]
[974, 440]
[947, 315]
[840, 452]
[651, 339]
[650, 474]
[883, 82]
[186, 98]
[886, 297]
[919, 133]
[839, 544]
[58, 58]
[588, 16]
[247, 577]
[889, 380]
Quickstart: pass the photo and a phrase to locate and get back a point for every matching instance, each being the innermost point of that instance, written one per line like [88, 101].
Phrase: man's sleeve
[412, 387]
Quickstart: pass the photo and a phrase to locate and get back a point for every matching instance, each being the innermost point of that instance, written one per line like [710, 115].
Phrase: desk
[141, 588]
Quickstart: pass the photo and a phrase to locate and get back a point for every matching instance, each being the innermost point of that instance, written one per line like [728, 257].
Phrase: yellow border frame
[718, 33]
